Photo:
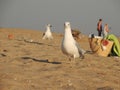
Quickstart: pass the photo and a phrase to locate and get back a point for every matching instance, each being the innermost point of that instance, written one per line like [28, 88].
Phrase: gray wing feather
[81, 51]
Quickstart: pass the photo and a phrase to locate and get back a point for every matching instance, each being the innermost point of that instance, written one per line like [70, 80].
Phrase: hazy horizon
[82, 14]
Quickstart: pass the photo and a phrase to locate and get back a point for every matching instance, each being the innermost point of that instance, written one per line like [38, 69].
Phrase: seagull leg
[82, 56]
[70, 61]
[73, 61]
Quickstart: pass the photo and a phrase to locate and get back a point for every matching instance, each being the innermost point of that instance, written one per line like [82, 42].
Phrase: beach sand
[29, 63]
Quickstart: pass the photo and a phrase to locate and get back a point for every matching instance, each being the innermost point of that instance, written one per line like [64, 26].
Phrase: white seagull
[48, 34]
[69, 46]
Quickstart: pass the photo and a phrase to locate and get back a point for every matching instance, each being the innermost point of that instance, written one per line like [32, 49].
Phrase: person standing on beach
[99, 27]
[106, 30]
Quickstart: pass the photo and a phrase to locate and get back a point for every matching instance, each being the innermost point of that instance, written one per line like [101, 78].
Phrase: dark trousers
[99, 32]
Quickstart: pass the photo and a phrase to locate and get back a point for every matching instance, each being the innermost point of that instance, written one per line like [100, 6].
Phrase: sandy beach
[29, 63]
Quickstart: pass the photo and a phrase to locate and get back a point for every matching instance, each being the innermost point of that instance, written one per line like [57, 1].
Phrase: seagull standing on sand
[69, 46]
[48, 34]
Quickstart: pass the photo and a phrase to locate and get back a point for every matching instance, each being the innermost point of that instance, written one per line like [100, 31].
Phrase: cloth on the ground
[116, 46]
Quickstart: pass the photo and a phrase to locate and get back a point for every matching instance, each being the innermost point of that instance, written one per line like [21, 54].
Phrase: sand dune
[29, 63]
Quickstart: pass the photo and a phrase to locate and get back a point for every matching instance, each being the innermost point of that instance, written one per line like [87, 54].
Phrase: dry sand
[29, 63]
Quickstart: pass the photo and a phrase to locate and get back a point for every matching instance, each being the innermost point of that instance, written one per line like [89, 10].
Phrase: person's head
[100, 19]
[106, 25]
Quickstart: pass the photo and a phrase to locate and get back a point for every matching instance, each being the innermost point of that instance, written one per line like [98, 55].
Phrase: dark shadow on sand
[44, 61]
[38, 43]
[3, 55]
[89, 52]
[34, 42]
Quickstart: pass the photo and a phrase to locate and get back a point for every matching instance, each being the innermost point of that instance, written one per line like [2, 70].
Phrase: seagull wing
[81, 51]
